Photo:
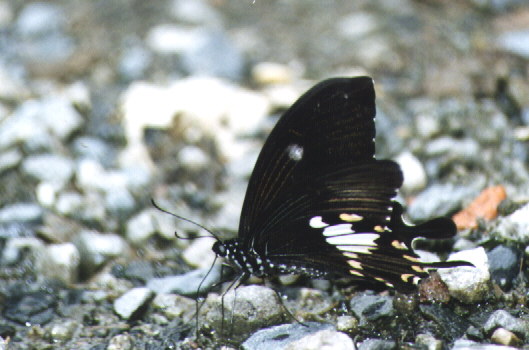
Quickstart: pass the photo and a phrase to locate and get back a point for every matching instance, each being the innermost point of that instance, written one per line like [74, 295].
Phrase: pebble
[129, 303]
[503, 319]
[121, 342]
[175, 306]
[186, 284]
[86, 147]
[451, 325]
[372, 308]
[63, 331]
[50, 168]
[120, 203]
[9, 159]
[40, 18]
[34, 121]
[60, 262]
[195, 12]
[514, 227]
[413, 171]
[193, 158]
[377, 344]
[465, 283]
[429, 341]
[14, 247]
[292, 336]
[199, 253]
[134, 62]
[505, 337]
[271, 73]
[96, 249]
[255, 307]
[484, 206]
[69, 203]
[516, 42]
[465, 344]
[21, 212]
[440, 200]
[31, 307]
[346, 323]
[504, 265]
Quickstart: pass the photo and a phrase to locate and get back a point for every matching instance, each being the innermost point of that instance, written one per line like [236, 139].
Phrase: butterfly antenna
[186, 220]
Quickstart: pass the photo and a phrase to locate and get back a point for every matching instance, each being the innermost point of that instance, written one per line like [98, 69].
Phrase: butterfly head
[220, 249]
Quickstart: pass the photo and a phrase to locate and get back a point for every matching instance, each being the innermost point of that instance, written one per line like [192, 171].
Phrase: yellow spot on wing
[378, 228]
[417, 268]
[356, 273]
[398, 245]
[355, 264]
[410, 258]
[351, 217]
[406, 276]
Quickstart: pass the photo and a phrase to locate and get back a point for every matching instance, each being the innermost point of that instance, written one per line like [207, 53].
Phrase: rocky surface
[105, 105]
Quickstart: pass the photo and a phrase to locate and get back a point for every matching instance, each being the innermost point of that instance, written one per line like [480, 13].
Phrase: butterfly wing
[319, 202]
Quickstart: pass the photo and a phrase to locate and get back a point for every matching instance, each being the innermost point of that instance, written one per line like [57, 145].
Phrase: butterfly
[319, 204]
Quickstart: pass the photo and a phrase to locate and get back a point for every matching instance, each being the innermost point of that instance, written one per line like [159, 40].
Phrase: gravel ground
[107, 104]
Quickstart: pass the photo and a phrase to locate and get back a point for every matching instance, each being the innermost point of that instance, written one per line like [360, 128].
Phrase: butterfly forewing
[331, 126]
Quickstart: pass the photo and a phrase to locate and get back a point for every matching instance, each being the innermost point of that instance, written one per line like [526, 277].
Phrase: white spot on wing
[295, 152]
[358, 239]
[317, 222]
[340, 229]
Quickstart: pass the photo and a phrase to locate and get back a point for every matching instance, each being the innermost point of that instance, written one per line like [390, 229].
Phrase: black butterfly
[318, 202]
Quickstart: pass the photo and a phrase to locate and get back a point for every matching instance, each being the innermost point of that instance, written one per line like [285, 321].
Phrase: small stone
[21, 212]
[63, 331]
[413, 171]
[266, 73]
[174, 306]
[127, 304]
[49, 168]
[120, 202]
[97, 248]
[483, 206]
[503, 319]
[439, 200]
[514, 227]
[9, 159]
[199, 253]
[193, 158]
[287, 336]
[69, 203]
[255, 307]
[516, 42]
[326, 339]
[465, 283]
[195, 12]
[505, 337]
[186, 284]
[504, 265]
[372, 308]
[16, 245]
[93, 148]
[346, 323]
[121, 342]
[377, 344]
[430, 341]
[61, 262]
[40, 17]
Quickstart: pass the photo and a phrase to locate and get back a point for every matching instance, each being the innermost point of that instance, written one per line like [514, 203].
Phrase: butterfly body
[319, 204]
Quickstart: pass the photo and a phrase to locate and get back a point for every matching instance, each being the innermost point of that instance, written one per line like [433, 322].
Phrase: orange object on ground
[484, 206]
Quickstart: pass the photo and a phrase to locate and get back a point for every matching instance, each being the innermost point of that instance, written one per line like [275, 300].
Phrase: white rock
[468, 284]
[199, 253]
[413, 171]
[60, 261]
[192, 157]
[515, 227]
[50, 168]
[128, 303]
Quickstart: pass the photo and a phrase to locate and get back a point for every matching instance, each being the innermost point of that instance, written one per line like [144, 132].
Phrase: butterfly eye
[219, 249]
[295, 152]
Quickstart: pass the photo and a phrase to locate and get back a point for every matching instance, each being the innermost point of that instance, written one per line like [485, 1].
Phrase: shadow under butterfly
[319, 204]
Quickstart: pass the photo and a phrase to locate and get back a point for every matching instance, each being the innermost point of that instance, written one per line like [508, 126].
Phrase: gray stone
[127, 304]
[9, 159]
[377, 344]
[97, 248]
[310, 335]
[186, 284]
[504, 264]
[49, 168]
[516, 42]
[241, 312]
[440, 200]
[195, 12]
[60, 262]
[514, 227]
[175, 306]
[120, 202]
[134, 62]
[93, 148]
[503, 319]
[40, 18]
[372, 308]
[21, 212]
[465, 344]
[466, 283]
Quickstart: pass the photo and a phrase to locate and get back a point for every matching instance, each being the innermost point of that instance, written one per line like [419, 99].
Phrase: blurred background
[107, 104]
